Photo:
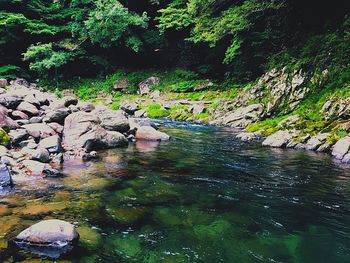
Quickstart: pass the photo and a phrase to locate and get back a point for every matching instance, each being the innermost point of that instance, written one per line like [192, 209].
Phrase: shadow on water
[201, 197]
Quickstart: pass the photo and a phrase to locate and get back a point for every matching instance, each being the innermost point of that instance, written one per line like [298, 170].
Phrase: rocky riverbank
[39, 131]
[282, 109]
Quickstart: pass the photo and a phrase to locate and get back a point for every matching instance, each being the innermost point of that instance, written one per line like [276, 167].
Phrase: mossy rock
[4, 138]
[128, 246]
[89, 237]
[127, 215]
[214, 230]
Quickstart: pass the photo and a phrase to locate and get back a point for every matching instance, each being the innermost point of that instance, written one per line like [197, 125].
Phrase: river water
[202, 197]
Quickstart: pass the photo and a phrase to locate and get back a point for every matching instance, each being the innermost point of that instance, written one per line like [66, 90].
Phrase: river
[201, 197]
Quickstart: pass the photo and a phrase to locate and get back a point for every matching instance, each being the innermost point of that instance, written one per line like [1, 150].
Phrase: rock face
[5, 176]
[51, 238]
[150, 134]
[243, 116]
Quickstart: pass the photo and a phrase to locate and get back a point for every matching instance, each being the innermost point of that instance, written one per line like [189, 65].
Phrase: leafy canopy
[211, 21]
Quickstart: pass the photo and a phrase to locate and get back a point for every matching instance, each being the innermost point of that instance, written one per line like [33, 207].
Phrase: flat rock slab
[51, 238]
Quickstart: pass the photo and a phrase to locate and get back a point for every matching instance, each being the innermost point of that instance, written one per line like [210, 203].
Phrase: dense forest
[221, 39]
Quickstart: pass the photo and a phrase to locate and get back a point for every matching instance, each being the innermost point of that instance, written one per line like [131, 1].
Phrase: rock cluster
[44, 130]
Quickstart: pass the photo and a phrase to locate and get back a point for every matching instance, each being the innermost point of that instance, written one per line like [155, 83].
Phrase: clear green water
[202, 197]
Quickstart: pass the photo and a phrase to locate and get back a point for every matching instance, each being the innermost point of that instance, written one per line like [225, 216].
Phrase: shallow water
[202, 197]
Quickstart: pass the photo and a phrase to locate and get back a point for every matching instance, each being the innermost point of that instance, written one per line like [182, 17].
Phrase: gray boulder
[28, 108]
[57, 115]
[148, 133]
[5, 121]
[39, 130]
[18, 135]
[144, 86]
[52, 144]
[51, 238]
[243, 116]
[39, 154]
[114, 120]
[341, 148]
[129, 106]
[279, 139]
[18, 115]
[316, 141]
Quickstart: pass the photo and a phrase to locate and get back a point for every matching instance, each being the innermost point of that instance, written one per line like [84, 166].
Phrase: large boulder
[5, 176]
[79, 128]
[57, 115]
[316, 141]
[18, 135]
[150, 134]
[243, 116]
[279, 139]
[129, 106]
[39, 154]
[51, 238]
[85, 130]
[145, 85]
[52, 144]
[28, 108]
[39, 130]
[114, 120]
[341, 148]
[5, 121]
[18, 115]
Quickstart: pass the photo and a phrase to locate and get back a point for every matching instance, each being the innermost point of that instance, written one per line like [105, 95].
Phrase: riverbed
[204, 196]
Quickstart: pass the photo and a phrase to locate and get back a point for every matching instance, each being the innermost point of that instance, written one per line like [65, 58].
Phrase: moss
[267, 126]
[156, 111]
[4, 138]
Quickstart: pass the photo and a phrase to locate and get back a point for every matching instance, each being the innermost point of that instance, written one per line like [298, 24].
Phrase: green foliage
[4, 138]
[43, 58]
[156, 111]
[209, 25]
[108, 22]
[9, 71]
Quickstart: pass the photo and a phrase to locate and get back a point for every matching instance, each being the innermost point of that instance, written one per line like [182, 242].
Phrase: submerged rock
[50, 238]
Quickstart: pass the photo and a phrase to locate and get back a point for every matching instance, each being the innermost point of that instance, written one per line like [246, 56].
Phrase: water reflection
[202, 197]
